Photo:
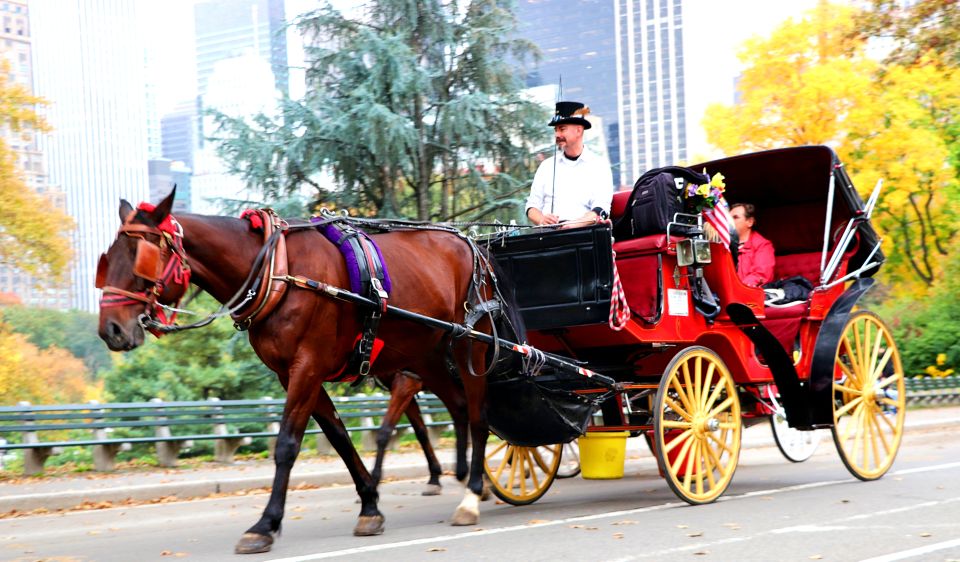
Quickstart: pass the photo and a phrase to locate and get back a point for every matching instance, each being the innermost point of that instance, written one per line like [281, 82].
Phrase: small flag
[719, 218]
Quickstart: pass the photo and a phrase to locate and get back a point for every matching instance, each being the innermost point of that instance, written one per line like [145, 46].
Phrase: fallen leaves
[436, 549]
[625, 522]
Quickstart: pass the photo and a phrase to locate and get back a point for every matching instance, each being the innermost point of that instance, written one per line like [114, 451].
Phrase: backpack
[656, 198]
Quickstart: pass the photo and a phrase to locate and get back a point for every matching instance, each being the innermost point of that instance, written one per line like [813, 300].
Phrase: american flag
[719, 218]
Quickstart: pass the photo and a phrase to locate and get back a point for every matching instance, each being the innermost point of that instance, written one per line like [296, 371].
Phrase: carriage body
[784, 363]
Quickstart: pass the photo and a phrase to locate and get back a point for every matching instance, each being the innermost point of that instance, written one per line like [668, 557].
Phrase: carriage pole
[457, 330]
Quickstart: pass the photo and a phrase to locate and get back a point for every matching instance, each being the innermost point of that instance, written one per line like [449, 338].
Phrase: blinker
[102, 266]
[146, 263]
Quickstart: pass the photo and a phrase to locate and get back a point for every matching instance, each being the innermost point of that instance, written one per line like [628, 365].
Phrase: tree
[917, 28]
[214, 361]
[74, 331]
[49, 376]
[810, 82]
[413, 109]
[33, 236]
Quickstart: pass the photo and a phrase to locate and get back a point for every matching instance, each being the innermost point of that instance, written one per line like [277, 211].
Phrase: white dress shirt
[579, 186]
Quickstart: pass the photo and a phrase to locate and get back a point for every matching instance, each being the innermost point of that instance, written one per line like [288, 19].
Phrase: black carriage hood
[789, 187]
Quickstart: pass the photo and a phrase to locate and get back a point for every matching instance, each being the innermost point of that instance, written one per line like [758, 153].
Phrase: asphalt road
[773, 510]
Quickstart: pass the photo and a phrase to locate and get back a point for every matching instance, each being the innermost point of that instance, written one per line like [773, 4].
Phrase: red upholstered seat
[643, 245]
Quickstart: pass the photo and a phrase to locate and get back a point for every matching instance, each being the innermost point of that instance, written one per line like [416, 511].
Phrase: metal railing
[40, 431]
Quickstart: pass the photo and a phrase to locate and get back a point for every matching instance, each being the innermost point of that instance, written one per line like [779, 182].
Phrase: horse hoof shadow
[432, 490]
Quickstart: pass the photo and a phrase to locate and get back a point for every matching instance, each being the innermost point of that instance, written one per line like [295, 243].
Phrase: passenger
[579, 191]
[756, 261]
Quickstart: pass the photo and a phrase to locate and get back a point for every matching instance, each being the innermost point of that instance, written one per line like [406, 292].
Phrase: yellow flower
[941, 359]
[703, 190]
[717, 182]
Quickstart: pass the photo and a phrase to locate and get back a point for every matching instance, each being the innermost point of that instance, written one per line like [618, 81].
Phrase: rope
[533, 360]
[619, 308]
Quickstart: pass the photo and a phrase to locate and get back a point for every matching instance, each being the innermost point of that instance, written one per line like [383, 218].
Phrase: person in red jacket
[755, 265]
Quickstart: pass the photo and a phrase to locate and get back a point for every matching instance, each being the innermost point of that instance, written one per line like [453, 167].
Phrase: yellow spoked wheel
[521, 475]
[697, 426]
[868, 397]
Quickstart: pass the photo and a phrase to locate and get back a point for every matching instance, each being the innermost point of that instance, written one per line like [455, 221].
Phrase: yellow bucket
[602, 454]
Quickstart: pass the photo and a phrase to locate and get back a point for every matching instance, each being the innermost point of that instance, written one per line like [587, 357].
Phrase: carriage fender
[825, 351]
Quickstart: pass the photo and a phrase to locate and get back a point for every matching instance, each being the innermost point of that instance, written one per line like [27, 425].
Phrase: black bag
[786, 292]
[656, 198]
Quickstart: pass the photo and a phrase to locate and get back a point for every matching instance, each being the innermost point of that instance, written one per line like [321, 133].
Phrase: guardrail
[172, 426]
[930, 391]
[42, 431]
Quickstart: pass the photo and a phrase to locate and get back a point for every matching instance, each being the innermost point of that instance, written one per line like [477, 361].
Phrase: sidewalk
[65, 492]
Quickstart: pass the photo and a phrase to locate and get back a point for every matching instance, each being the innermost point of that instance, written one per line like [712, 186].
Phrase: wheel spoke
[682, 438]
[698, 466]
[681, 394]
[533, 472]
[851, 376]
[849, 406]
[723, 406]
[513, 468]
[712, 399]
[688, 470]
[873, 429]
[853, 371]
[722, 444]
[851, 425]
[687, 385]
[707, 381]
[882, 434]
[504, 462]
[672, 424]
[862, 350]
[698, 381]
[886, 420]
[496, 450]
[682, 455]
[889, 380]
[677, 409]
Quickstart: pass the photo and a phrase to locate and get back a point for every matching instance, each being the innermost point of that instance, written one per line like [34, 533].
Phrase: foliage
[33, 236]
[411, 110]
[48, 376]
[74, 331]
[214, 361]
[926, 329]
[916, 28]
[810, 82]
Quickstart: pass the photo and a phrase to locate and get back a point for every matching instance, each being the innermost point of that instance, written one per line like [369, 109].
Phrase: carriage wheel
[697, 426]
[795, 445]
[570, 464]
[521, 475]
[868, 397]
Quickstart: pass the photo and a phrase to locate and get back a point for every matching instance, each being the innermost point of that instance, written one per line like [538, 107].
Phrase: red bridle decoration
[175, 269]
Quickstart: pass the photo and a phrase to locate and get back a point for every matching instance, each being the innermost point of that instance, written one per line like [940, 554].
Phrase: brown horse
[308, 337]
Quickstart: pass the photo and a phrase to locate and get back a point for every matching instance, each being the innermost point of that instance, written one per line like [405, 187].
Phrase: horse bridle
[161, 263]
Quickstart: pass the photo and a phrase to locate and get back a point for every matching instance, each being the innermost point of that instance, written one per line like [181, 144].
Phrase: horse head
[143, 271]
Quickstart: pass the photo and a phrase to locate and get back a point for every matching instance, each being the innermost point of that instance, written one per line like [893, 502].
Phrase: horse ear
[125, 209]
[163, 208]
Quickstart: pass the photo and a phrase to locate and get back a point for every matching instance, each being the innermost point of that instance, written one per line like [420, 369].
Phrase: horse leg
[296, 413]
[423, 437]
[468, 512]
[370, 521]
[402, 390]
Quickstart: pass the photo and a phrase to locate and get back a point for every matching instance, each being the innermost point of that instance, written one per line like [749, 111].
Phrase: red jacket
[756, 261]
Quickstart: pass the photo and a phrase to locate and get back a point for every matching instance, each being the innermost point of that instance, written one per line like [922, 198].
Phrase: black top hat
[570, 113]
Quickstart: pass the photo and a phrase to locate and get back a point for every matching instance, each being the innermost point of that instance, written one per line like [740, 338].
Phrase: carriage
[698, 356]
[688, 372]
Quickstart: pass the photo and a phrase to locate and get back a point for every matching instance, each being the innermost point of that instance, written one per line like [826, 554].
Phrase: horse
[308, 336]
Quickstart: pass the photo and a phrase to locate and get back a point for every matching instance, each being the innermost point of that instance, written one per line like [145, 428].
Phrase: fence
[172, 426]
[42, 431]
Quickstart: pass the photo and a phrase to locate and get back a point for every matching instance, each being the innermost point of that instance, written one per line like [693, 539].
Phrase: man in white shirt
[574, 187]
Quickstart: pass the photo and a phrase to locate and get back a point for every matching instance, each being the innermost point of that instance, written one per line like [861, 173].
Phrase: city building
[89, 64]
[179, 133]
[16, 48]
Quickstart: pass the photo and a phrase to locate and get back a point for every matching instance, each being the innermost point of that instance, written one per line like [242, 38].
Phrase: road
[773, 510]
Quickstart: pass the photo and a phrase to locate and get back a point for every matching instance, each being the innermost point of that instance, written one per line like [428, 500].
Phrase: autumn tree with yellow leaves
[34, 237]
[811, 82]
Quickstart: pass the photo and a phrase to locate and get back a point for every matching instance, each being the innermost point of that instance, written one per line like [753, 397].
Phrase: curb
[202, 488]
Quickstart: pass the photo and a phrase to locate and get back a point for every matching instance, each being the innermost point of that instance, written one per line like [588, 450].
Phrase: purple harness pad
[337, 237]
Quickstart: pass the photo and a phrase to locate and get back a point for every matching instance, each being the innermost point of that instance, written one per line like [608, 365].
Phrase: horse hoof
[368, 526]
[463, 517]
[253, 543]
[485, 494]
[431, 490]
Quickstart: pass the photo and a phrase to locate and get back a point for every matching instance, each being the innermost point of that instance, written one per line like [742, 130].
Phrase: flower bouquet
[697, 198]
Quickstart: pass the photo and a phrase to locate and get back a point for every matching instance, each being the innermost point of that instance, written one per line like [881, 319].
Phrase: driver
[573, 188]
[756, 261]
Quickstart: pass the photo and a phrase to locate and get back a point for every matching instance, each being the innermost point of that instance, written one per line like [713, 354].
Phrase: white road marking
[904, 554]
[621, 513]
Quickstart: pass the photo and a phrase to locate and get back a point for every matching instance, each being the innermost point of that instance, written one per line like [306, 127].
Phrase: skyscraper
[624, 59]
[650, 85]
[89, 63]
[16, 48]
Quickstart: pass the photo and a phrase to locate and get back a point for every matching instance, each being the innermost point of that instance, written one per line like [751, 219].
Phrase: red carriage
[685, 381]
